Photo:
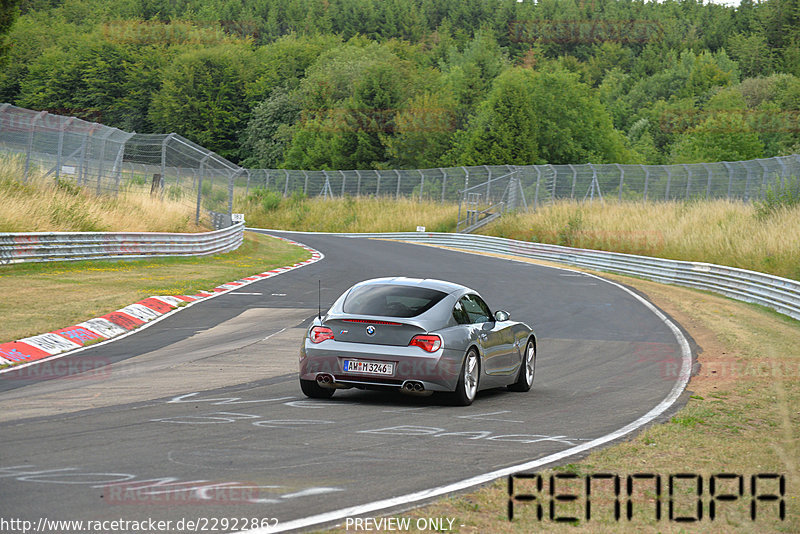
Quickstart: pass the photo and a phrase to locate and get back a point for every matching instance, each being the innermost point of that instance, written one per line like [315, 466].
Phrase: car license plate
[369, 368]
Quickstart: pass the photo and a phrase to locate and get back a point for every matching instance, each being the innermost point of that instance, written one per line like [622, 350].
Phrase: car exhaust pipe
[327, 381]
[413, 387]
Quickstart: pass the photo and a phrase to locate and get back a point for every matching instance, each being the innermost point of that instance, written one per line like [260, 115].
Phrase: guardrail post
[621, 180]
[30, 143]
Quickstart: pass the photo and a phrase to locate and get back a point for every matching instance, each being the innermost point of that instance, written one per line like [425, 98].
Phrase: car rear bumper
[437, 371]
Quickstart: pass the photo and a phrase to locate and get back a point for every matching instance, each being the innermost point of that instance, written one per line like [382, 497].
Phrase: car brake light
[428, 343]
[319, 334]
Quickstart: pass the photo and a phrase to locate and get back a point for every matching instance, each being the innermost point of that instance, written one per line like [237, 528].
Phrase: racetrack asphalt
[201, 416]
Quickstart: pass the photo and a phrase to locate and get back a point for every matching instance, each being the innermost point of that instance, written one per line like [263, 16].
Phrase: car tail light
[320, 333]
[428, 343]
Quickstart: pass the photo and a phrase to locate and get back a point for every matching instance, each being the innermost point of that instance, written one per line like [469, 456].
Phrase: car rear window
[391, 300]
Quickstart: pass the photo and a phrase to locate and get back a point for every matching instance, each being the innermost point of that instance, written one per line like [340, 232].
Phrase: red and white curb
[124, 321]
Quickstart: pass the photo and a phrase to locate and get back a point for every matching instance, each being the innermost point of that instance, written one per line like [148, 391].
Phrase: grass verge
[268, 209]
[38, 298]
[718, 231]
[45, 205]
[742, 417]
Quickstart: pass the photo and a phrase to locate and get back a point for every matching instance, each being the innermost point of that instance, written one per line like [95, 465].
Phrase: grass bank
[39, 298]
[44, 205]
[267, 209]
[727, 233]
[742, 417]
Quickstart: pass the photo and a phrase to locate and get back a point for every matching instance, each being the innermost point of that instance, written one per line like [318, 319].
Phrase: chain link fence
[110, 160]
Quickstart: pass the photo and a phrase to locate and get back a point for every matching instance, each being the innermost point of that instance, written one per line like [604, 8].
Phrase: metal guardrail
[779, 294]
[71, 246]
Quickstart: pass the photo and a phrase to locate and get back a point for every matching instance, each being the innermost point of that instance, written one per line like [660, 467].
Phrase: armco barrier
[123, 321]
[780, 294]
[63, 246]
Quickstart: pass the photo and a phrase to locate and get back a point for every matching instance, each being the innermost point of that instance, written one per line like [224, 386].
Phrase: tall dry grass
[720, 231]
[349, 214]
[42, 205]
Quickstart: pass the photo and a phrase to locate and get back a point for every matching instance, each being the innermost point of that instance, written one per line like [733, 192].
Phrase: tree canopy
[341, 84]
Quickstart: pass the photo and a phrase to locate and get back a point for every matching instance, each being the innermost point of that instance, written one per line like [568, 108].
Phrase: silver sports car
[416, 336]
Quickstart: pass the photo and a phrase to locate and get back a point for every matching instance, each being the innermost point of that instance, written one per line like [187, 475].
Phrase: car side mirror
[502, 315]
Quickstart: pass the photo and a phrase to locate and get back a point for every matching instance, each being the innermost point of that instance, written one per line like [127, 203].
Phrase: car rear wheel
[312, 389]
[527, 370]
[468, 380]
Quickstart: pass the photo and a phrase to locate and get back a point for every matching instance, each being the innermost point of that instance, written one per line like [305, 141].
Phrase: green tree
[203, 97]
[269, 131]
[504, 131]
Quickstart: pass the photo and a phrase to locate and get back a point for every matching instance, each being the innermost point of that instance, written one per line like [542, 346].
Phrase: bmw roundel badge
[370, 330]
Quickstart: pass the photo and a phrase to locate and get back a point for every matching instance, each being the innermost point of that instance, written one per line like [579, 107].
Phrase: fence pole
[61, 132]
[536, 194]
[669, 181]
[30, 143]
[247, 185]
[688, 170]
[621, 180]
[444, 182]
[646, 180]
[746, 195]
[286, 186]
[231, 179]
[358, 185]
[305, 182]
[397, 193]
[200, 189]
[466, 178]
[763, 178]
[421, 183]
[710, 175]
[783, 170]
[164, 142]
[730, 177]
[101, 167]
[574, 180]
[343, 180]
[488, 182]
[378, 187]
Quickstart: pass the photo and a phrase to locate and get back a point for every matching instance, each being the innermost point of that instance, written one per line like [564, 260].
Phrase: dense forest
[354, 84]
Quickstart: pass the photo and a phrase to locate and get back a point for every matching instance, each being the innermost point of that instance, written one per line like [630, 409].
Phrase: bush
[777, 198]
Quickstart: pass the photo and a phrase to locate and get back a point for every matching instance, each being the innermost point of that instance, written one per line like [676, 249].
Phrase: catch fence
[110, 160]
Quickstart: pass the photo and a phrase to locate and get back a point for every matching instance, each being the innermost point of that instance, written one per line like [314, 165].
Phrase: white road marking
[482, 417]
[244, 293]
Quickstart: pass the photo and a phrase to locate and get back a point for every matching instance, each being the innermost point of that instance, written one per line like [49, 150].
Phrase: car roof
[428, 283]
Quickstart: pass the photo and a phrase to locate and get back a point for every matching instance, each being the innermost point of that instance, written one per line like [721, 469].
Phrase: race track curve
[202, 416]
